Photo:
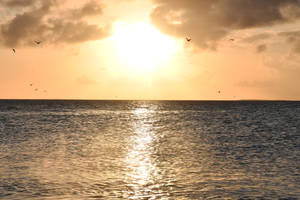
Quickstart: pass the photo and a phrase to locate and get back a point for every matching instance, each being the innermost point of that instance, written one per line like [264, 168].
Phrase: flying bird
[31, 84]
[231, 39]
[38, 42]
[219, 92]
[188, 39]
[14, 50]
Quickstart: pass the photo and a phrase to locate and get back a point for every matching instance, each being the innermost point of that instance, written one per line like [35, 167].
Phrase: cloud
[40, 22]
[89, 9]
[290, 34]
[292, 38]
[261, 48]
[208, 21]
[75, 32]
[258, 37]
[17, 3]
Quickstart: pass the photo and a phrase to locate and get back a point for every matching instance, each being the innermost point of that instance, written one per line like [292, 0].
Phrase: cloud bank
[42, 20]
[208, 21]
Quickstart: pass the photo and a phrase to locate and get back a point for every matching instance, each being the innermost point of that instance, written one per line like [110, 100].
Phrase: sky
[137, 49]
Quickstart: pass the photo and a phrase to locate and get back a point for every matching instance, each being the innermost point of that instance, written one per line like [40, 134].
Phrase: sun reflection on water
[142, 166]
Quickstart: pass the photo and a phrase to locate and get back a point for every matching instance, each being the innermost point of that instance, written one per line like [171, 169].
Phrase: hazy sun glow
[141, 47]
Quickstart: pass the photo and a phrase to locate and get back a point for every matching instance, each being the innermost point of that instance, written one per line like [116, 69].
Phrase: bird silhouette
[188, 39]
[231, 39]
[31, 84]
[219, 92]
[14, 50]
[38, 42]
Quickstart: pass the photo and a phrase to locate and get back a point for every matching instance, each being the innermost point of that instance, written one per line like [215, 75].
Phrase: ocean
[149, 150]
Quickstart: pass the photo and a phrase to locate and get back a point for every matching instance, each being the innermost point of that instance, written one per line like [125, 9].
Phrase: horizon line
[75, 99]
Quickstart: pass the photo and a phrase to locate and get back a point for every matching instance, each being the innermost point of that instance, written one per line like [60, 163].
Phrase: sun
[142, 48]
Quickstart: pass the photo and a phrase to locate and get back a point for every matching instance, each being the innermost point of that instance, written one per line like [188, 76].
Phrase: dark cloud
[257, 37]
[207, 21]
[261, 48]
[17, 3]
[23, 26]
[40, 22]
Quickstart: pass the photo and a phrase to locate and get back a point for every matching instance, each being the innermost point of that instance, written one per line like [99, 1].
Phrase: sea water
[149, 150]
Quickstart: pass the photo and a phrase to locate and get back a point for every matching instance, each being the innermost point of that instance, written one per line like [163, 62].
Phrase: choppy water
[149, 150]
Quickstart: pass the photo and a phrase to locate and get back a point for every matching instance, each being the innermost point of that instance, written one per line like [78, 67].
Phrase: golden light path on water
[143, 173]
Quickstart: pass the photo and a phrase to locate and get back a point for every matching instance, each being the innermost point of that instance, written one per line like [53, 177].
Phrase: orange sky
[136, 49]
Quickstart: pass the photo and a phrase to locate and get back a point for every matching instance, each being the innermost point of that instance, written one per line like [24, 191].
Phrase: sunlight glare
[142, 47]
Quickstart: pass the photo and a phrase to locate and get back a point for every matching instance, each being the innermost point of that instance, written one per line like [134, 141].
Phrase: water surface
[149, 150]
